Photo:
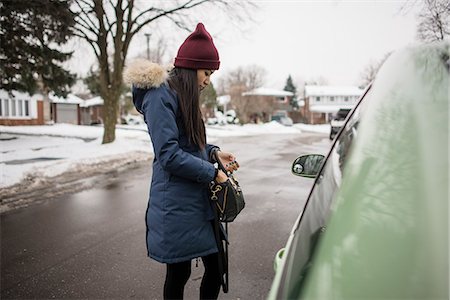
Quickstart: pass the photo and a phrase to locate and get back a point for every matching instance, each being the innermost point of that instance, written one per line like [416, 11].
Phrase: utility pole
[148, 35]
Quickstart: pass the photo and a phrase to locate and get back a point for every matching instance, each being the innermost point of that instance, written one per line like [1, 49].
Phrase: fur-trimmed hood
[143, 75]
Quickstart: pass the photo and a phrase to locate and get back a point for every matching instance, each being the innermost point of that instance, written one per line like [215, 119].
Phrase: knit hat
[198, 51]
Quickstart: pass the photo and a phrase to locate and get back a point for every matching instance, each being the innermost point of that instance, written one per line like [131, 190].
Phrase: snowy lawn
[30, 152]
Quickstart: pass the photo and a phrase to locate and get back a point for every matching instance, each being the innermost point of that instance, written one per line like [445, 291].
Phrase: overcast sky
[307, 39]
[310, 39]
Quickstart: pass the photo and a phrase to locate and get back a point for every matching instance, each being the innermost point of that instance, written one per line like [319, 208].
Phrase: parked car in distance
[222, 119]
[132, 119]
[282, 118]
[338, 121]
[375, 224]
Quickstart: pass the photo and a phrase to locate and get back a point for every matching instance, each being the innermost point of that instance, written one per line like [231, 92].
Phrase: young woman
[179, 213]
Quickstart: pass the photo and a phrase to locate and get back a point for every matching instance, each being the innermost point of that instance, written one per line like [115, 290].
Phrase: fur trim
[144, 74]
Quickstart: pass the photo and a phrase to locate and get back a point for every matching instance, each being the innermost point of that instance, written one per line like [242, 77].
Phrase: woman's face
[203, 78]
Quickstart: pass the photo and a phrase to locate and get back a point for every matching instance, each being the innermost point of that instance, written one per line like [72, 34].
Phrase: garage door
[67, 113]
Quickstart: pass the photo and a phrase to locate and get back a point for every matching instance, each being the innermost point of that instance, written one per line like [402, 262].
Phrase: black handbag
[227, 196]
[228, 202]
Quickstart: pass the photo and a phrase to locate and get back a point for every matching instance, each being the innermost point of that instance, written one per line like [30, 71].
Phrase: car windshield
[317, 209]
[342, 114]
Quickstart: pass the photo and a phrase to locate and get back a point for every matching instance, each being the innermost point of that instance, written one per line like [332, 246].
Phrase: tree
[240, 80]
[208, 97]
[110, 26]
[434, 20]
[92, 82]
[317, 81]
[371, 70]
[156, 53]
[290, 87]
[30, 32]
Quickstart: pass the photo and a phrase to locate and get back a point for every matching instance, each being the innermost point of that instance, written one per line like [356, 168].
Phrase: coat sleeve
[160, 113]
[209, 152]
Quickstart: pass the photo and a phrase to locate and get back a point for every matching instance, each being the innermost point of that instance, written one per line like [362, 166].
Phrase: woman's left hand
[228, 160]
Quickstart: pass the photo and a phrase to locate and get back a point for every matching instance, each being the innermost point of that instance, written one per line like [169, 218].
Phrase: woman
[179, 214]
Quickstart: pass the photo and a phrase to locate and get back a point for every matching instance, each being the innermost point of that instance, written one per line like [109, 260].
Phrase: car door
[312, 223]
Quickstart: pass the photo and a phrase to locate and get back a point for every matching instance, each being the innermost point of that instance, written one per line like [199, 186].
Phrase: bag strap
[219, 163]
[223, 253]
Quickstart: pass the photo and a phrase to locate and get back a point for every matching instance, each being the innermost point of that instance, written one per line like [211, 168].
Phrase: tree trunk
[110, 109]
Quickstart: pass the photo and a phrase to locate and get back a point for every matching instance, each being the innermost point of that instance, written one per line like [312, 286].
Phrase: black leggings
[178, 274]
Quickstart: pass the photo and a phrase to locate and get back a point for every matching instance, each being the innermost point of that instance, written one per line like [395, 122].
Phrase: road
[91, 244]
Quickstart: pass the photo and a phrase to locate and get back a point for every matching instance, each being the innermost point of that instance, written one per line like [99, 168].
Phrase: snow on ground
[50, 150]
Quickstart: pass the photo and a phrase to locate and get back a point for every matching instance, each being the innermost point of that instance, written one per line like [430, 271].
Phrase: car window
[342, 114]
[317, 209]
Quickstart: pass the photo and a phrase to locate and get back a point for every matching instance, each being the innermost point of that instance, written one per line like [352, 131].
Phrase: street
[91, 244]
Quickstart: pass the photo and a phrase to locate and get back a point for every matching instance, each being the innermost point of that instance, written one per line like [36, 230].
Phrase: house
[322, 102]
[66, 110]
[17, 108]
[261, 103]
[91, 111]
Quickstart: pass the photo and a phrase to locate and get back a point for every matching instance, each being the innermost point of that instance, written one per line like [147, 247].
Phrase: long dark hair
[184, 82]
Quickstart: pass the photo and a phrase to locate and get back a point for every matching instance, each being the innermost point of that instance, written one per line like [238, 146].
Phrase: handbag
[227, 196]
[228, 202]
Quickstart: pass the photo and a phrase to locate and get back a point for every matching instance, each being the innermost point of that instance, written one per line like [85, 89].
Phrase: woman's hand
[221, 177]
[228, 160]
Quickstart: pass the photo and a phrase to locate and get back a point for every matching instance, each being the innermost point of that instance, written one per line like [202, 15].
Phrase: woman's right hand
[221, 177]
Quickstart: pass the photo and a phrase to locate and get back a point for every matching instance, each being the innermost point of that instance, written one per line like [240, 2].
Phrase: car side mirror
[307, 165]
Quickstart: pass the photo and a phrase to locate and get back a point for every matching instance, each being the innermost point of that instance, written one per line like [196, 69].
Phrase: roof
[19, 95]
[92, 102]
[268, 92]
[330, 90]
[70, 99]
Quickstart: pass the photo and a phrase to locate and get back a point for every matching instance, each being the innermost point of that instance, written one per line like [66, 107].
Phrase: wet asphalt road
[92, 244]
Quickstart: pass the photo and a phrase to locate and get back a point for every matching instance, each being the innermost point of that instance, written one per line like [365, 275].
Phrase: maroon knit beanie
[198, 51]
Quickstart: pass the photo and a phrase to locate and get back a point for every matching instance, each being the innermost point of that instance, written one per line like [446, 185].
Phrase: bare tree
[109, 27]
[317, 81]
[371, 70]
[434, 20]
[157, 53]
[240, 80]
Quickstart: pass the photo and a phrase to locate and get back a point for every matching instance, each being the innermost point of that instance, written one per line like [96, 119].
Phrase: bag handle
[219, 163]
[223, 250]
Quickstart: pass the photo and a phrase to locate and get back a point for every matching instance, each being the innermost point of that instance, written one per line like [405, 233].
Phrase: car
[376, 222]
[222, 119]
[132, 120]
[282, 118]
[338, 121]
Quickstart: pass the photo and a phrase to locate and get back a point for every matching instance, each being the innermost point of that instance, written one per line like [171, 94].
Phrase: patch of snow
[49, 150]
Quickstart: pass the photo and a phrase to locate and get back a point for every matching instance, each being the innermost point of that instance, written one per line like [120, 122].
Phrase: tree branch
[128, 36]
[165, 13]
[90, 41]
[81, 22]
[118, 45]
[103, 47]
[85, 13]
[86, 3]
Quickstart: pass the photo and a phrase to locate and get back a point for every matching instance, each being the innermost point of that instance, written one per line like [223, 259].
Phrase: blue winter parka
[179, 212]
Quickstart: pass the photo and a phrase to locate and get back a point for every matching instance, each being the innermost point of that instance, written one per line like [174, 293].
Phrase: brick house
[66, 110]
[265, 102]
[18, 108]
[92, 111]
